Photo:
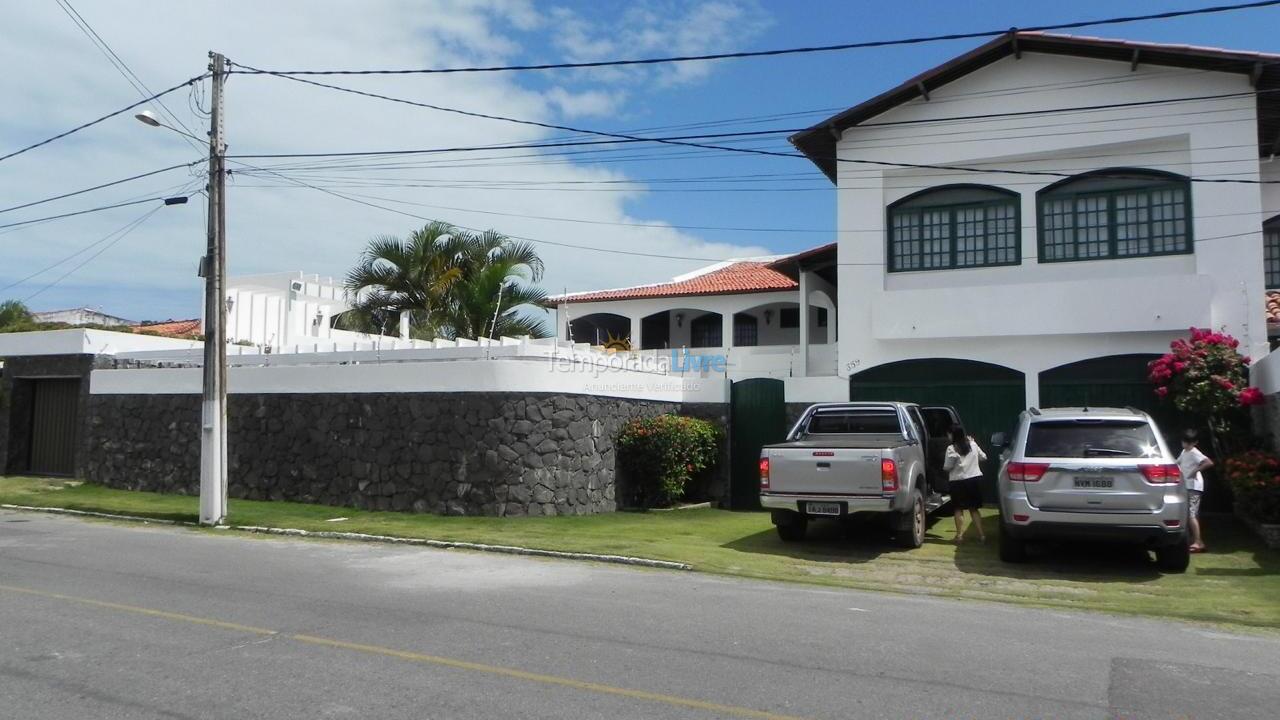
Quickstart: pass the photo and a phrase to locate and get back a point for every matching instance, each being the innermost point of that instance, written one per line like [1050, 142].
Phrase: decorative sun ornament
[616, 344]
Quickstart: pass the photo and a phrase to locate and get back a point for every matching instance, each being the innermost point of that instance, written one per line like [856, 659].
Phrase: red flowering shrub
[1255, 478]
[1205, 376]
[660, 455]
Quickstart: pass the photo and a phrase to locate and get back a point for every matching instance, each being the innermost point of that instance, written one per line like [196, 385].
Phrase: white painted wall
[280, 310]
[81, 341]
[581, 375]
[1036, 316]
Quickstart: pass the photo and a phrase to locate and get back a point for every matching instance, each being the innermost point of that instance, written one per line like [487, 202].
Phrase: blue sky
[63, 80]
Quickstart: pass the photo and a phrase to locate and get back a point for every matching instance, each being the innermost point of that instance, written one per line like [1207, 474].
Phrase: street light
[146, 117]
[213, 406]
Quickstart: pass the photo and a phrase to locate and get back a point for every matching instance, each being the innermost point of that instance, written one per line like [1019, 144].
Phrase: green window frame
[1147, 215]
[1271, 252]
[953, 236]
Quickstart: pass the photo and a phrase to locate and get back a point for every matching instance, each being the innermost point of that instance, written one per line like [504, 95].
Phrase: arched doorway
[988, 397]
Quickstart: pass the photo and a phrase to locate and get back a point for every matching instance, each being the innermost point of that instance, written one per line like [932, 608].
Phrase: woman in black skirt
[964, 470]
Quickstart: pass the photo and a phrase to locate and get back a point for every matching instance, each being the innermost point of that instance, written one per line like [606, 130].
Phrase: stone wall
[794, 411]
[447, 453]
[716, 486]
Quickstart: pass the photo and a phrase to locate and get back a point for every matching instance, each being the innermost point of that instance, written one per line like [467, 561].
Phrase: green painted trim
[1010, 199]
[1169, 180]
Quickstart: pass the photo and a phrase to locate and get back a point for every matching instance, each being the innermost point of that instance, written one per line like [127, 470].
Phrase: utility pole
[213, 407]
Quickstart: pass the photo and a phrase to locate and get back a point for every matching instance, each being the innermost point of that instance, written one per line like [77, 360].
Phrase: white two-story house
[1033, 221]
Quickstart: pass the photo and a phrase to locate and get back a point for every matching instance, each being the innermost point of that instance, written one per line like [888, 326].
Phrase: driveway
[112, 621]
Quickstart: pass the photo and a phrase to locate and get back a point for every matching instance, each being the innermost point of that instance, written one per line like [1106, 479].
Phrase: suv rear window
[869, 422]
[1091, 439]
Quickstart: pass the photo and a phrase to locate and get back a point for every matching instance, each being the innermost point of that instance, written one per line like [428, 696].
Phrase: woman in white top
[963, 464]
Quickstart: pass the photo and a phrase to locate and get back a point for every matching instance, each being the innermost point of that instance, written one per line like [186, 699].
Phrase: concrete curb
[389, 539]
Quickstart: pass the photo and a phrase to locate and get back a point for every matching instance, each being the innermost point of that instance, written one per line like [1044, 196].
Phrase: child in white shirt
[1193, 463]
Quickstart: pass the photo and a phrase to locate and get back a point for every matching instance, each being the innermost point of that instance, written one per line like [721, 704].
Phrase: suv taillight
[764, 473]
[1161, 474]
[888, 475]
[1027, 472]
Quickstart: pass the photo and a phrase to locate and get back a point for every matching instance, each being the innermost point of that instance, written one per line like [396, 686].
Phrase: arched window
[954, 226]
[706, 331]
[1115, 213]
[746, 330]
[1271, 252]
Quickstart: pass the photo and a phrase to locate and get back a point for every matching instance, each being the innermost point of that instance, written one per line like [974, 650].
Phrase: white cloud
[588, 103]
[649, 28]
[55, 79]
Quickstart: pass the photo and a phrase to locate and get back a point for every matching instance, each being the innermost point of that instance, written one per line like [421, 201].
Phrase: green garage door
[988, 397]
[1112, 381]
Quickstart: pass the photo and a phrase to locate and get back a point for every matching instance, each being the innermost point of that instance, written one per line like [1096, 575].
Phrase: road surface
[111, 621]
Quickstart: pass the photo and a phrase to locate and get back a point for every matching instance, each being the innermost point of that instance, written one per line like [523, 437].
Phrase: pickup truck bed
[840, 459]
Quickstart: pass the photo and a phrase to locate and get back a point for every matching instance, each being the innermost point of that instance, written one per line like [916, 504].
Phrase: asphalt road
[109, 621]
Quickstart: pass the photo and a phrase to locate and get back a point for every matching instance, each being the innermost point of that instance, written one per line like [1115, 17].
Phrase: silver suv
[1091, 473]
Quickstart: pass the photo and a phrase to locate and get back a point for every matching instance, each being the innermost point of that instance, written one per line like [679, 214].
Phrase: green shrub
[660, 455]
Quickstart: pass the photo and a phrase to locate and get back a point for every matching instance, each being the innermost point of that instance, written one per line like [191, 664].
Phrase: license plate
[1095, 483]
[822, 508]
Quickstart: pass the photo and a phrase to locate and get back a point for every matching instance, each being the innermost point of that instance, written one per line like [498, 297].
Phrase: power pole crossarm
[213, 408]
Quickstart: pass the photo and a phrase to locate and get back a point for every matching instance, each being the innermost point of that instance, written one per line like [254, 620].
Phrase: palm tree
[493, 288]
[414, 275]
[453, 283]
[15, 317]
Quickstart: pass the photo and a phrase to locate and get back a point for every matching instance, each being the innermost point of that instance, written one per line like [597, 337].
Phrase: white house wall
[1034, 316]
[691, 307]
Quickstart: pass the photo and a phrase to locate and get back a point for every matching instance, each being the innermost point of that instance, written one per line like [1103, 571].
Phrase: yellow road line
[546, 679]
[143, 611]
[585, 686]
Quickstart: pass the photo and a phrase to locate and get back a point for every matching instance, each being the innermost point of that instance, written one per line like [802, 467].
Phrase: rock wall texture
[447, 453]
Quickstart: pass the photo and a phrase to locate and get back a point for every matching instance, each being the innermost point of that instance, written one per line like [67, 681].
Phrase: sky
[692, 207]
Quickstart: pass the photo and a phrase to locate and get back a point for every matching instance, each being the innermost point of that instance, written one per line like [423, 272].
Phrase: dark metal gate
[758, 417]
[54, 419]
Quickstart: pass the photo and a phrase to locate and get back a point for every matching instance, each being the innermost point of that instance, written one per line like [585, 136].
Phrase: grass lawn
[1237, 583]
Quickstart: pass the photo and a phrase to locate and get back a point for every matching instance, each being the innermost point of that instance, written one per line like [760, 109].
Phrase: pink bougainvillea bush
[1205, 375]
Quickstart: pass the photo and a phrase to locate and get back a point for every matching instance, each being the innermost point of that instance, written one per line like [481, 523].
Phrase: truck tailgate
[820, 471]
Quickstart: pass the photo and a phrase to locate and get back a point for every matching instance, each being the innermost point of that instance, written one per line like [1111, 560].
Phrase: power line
[166, 201]
[298, 183]
[81, 251]
[516, 237]
[113, 183]
[119, 64]
[623, 137]
[119, 235]
[108, 116]
[785, 51]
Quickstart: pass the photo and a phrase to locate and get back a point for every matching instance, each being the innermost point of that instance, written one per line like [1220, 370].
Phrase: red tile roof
[1273, 307]
[171, 328]
[742, 276]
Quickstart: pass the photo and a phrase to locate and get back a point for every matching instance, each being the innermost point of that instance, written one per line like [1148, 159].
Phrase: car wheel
[791, 527]
[1174, 558]
[1012, 549]
[911, 525]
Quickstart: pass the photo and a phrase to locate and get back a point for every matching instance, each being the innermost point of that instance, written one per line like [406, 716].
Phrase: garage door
[988, 397]
[53, 426]
[1112, 381]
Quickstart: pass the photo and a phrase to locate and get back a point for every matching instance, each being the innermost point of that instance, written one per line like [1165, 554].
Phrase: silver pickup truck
[844, 458]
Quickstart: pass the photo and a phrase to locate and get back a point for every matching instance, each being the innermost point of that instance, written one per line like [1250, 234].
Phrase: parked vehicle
[1096, 473]
[856, 457]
